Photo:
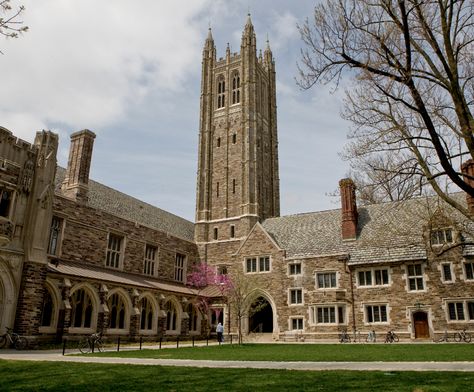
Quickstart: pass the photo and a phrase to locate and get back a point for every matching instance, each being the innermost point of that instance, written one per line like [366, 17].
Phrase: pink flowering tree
[236, 289]
[209, 283]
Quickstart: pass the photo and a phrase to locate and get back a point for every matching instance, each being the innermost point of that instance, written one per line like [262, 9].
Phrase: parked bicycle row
[371, 337]
[392, 337]
[460, 336]
[94, 341]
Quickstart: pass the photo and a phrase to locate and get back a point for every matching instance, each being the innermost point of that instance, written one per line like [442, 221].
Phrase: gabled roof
[257, 226]
[127, 207]
[387, 232]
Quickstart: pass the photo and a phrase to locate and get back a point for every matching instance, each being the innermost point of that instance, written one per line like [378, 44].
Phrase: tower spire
[267, 55]
[209, 39]
[248, 35]
[209, 47]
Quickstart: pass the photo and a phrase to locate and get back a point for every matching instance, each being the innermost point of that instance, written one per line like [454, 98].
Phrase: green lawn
[312, 352]
[61, 376]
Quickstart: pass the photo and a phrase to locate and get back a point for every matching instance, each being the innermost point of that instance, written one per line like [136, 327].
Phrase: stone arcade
[78, 257]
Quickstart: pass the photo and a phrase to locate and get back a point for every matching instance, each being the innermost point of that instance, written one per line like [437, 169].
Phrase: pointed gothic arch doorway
[261, 316]
[2, 299]
[420, 322]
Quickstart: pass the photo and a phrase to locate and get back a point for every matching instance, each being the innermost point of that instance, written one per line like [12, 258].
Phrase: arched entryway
[260, 316]
[420, 322]
[2, 299]
[7, 297]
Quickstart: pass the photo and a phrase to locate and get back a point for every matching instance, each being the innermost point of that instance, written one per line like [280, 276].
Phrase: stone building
[77, 256]
[404, 266]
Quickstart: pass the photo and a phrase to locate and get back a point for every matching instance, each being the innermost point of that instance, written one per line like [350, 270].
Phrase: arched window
[146, 314]
[193, 318]
[81, 309]
[47, 309]
[236, 88]
[220, 92]
[171, 317]
[117, 312]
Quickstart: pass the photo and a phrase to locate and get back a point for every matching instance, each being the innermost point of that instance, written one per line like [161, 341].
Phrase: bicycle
[462, 336]
[444, 338]
[370, 337]
[344, 337]
[15, 340]
[391, 337]
[91, 343]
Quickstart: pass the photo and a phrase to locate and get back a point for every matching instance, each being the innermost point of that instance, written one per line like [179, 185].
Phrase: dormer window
[236, 89]
[442, 236]
[220, 92]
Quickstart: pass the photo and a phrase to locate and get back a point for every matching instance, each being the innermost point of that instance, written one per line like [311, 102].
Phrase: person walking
[220, 332]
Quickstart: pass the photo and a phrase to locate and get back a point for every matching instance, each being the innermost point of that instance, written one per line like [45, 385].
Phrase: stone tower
[237, 178]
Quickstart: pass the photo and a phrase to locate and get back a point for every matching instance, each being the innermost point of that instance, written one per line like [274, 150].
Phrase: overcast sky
[130, 71]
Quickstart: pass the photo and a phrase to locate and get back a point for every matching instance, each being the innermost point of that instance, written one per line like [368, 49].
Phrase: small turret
[227, 53]
[267, 55]
[248, 35]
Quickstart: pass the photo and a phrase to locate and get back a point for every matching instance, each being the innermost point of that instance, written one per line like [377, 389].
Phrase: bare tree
[10, 23]
[380, 178]
[411, 91]
[239, 295]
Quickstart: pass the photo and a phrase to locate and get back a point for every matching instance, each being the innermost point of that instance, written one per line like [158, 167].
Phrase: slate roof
[127, 207]
[387, 232]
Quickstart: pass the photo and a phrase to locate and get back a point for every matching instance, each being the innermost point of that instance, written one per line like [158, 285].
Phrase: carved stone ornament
[26, 181]
[6, 232]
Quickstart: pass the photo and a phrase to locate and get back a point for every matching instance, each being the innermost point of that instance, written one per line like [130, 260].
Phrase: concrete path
[312, 366]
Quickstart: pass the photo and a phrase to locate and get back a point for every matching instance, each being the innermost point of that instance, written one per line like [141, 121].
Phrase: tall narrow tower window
[216, 233]
[217, 189]
[220, 92]
[264, 99]
[234, 138]
[236, 89]
[233, 185]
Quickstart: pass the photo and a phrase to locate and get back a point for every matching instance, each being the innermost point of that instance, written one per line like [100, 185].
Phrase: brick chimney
[76, 181]
[348, 209]
[468, 168]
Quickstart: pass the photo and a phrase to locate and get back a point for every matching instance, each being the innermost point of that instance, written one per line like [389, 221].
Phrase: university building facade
[78, 257]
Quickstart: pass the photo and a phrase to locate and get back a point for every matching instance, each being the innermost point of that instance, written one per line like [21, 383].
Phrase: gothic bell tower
[237, 177]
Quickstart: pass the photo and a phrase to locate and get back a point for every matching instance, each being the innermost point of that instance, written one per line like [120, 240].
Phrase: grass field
[312, 352]
[60, 376]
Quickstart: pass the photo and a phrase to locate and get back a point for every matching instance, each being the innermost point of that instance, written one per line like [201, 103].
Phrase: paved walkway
[312, 366]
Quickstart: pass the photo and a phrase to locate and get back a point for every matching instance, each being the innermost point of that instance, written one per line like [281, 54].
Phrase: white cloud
[283, 29]
[85, 63]
[130, 71]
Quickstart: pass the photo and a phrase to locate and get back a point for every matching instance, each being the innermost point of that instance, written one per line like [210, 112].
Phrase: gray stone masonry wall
[28, 311]
[85, 239]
